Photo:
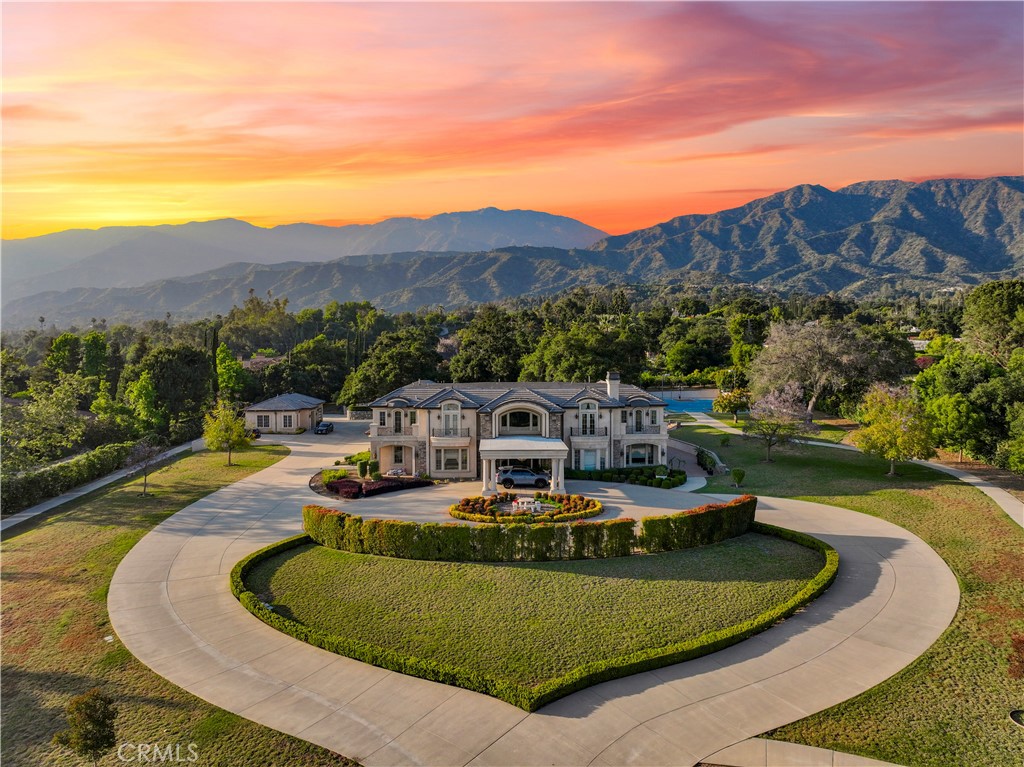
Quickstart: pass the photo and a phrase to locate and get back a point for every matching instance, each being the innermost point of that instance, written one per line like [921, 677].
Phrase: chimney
[613, 384]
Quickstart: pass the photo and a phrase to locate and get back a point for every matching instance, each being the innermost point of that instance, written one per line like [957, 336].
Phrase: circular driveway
[170, 605]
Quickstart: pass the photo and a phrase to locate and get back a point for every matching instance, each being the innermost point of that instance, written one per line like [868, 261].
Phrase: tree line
[67, 391]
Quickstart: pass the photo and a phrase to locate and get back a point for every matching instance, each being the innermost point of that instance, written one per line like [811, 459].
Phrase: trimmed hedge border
[452, 542]
[532, 698]
[580, 507]
[518, 542]
[24, 490]
[699, 526]
[640, 475]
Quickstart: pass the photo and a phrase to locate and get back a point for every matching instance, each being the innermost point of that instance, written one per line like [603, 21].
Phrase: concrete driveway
[170, 605]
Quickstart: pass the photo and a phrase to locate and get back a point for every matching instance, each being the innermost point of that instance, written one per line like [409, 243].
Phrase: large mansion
[469, 430]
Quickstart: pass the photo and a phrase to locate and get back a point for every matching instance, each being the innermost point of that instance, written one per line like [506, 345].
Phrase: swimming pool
[689, 405]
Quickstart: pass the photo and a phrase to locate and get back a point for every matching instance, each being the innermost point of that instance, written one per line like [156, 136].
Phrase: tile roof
[290, 401]
[553, 396]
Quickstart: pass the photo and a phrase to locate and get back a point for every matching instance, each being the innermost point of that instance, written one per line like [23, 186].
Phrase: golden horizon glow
[622, 115]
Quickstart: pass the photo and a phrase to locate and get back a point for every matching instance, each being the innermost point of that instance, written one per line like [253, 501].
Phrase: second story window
[383, 418]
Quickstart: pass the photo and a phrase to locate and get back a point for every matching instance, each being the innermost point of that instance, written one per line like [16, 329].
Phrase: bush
[376, 476]
[738, 475]
[361, 468]
[327, 475]
[30, 488]
[346, 488]
[565, 508]
[512, 542]
[706, 460]
[701, 526]
[373, 467]
[357, 457]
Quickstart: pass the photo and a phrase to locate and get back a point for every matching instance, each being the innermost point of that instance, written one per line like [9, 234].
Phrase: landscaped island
[438, 602]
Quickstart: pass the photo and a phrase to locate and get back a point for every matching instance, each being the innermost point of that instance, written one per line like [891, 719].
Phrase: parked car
[509, 477]
[324, 427]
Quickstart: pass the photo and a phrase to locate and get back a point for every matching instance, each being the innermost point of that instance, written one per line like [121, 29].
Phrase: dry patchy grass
[55, 578]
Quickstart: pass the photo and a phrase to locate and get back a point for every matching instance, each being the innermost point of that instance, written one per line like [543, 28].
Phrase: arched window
[519, 422]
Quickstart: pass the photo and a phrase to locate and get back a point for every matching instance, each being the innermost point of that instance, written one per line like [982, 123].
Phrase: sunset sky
[619, 114]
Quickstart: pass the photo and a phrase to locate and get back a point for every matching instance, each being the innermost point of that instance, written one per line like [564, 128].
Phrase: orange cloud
[292, 111]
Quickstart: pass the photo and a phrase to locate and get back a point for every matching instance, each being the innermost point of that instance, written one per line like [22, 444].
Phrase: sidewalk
[41, 508]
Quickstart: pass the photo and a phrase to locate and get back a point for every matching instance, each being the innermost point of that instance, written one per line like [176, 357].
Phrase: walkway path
[170, 605]
[1013, 507]
[41, 508]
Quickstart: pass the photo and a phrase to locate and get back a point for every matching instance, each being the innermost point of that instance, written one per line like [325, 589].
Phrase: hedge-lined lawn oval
[529, 623]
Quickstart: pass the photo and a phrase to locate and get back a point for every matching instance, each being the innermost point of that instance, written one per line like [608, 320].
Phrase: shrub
[737, 476]
[376, 476]
[701, 526]
[346, 488]
[361, 467]
[373, 466]
[355, 458]
[327, 475]
[30, 488]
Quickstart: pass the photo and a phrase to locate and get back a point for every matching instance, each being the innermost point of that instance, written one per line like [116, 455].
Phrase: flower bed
[498, 509]
[352, 488]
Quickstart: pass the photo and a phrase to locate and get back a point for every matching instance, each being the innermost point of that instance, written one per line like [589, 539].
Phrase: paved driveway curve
[170, 605]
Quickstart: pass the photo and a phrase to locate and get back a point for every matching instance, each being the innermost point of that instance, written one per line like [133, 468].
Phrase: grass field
[830, 430]
[528, 623]
[55, 579]
[951, 706]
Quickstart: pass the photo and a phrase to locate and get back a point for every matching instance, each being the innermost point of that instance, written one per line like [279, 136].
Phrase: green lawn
[55, 579]
[950, 707]
[828, 432]
[528, 623]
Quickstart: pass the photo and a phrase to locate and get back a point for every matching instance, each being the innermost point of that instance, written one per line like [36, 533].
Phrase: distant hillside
[129, 256]
[935, 233]
[945, 233]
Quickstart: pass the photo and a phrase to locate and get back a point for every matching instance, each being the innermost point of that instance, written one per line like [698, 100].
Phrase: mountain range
[125, 256]
[934, 234]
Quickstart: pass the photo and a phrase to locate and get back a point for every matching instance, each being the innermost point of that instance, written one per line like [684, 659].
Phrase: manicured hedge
[462, 543]
[568, 508]
[532, 698]
[24, 490]
[700, 526]
[648, 476]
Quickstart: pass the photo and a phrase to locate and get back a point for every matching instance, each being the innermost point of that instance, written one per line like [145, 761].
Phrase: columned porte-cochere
[501, 451]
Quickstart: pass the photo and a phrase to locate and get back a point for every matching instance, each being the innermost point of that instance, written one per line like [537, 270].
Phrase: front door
[589, 460]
